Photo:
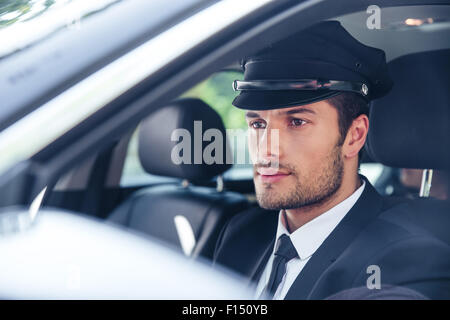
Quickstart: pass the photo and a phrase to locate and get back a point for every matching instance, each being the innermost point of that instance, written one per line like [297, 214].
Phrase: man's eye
[297, 122]
[257, 125]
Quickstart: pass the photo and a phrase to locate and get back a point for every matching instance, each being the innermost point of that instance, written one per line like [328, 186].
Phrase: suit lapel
[259, 238]
[365, 209]
[261, 263]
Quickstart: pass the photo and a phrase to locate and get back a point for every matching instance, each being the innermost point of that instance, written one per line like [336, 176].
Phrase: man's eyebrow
[298, 110]
[251, 114]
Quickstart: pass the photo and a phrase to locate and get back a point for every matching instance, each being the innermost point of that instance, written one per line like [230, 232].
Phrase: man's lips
[271, 174]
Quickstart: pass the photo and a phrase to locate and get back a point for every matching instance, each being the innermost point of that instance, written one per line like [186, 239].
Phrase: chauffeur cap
[317, 63]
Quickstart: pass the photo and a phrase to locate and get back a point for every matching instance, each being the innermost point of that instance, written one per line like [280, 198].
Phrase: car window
[217, 91]
[219, 94]
[372, 171]
[44, 17]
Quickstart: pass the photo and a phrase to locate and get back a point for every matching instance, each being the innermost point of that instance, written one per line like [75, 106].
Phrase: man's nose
[268, 145]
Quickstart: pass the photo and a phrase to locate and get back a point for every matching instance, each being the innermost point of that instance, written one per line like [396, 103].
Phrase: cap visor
[266, 100]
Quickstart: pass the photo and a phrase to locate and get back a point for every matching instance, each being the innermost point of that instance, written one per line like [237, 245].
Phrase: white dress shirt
[306, 239]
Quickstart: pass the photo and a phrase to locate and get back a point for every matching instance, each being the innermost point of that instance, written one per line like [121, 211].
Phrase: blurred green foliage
[217, 91]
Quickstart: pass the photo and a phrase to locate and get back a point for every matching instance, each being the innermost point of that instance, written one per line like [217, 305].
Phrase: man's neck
[295, 218]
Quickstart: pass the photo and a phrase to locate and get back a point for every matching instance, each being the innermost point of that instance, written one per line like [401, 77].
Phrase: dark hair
[349, 106]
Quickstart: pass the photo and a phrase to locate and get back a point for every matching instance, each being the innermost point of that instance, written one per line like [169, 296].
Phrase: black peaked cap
[324, 51]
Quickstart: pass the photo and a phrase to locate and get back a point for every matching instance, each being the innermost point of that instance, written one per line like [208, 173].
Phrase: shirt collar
[309, 237]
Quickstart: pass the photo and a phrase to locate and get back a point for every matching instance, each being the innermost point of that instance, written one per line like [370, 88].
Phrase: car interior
[134, 184]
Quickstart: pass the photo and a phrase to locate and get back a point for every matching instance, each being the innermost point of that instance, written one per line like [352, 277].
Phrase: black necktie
[284, 252]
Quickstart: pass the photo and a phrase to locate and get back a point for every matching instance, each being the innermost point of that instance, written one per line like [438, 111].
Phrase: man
[325, 230]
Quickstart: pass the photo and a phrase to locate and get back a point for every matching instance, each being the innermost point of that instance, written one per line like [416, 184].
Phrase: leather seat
[187, 216]
[409, 128]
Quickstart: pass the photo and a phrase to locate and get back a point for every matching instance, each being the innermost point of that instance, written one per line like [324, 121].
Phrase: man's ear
[356, 136]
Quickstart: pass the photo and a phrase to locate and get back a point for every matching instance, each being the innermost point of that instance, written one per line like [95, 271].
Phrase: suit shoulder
[253, 218]
[244, 237]
[418, 217]
[405, 223]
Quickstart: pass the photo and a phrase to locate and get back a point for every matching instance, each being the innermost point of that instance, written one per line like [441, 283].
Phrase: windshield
[69, 39]
[25, 22]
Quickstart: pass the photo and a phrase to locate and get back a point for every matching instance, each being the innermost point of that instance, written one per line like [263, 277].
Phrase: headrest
[160, 141]
[409, 127]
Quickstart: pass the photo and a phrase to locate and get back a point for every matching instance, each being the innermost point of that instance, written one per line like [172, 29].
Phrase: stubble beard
[310, 189]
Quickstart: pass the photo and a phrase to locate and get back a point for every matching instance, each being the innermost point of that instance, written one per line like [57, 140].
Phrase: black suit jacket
[392, 235]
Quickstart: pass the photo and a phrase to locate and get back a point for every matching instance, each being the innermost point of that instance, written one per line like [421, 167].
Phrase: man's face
[304, 166]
